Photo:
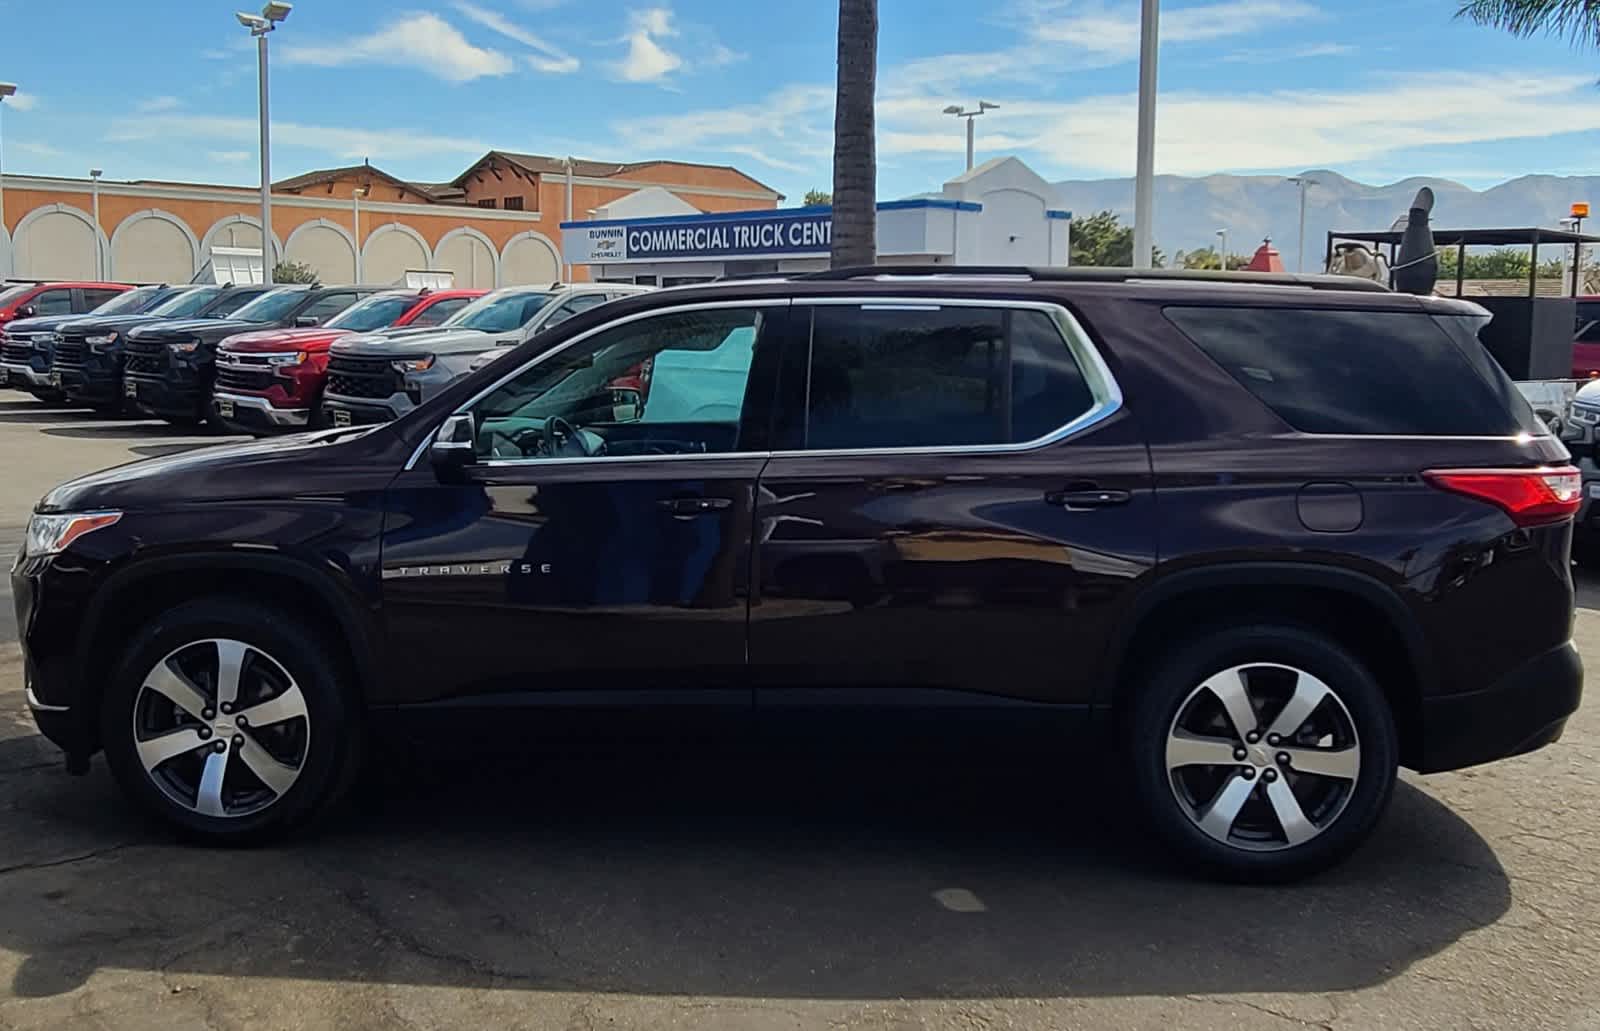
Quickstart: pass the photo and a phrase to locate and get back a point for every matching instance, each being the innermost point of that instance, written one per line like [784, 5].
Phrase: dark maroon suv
[1267, 538]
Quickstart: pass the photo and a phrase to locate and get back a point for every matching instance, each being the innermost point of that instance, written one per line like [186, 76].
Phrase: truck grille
[362, 377]
[69, 354]
[16, 348]
[251, 374]
[147, 358]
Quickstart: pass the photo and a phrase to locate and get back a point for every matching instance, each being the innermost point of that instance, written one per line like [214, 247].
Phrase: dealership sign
[766, 234]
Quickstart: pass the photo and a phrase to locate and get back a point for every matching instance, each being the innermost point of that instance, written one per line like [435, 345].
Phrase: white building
[1000, 213]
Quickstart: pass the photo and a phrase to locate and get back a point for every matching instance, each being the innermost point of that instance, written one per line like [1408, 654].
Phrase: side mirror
[452, 446]
[307, 321]
[27, 311]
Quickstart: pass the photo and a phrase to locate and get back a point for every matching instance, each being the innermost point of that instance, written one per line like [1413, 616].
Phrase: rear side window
[438, 311]
[1325, 371]
[893, 377]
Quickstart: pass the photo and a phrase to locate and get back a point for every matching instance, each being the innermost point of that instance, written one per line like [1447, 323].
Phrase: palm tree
[1577, 20]
[855, 156]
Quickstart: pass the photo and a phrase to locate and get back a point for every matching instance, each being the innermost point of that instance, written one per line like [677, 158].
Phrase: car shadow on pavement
[122, 430]
[767, 876]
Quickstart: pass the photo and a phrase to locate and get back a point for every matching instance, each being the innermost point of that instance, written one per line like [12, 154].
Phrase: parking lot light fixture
[355, 200]
[957, 111]
[99, 251]
[260, 25]
[7, 89]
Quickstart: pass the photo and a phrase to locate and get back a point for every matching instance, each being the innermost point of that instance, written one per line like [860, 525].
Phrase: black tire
[335, 743]
[1169, 683]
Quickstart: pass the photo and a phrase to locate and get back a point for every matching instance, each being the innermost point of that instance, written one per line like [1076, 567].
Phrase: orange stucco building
[495, 224]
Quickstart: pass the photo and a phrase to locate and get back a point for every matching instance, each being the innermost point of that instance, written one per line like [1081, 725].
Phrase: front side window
[271, 306]
[897, 376]
[582, 302]
[231, 303]
[185, 303]
[670, 384]
[439, 311]
[502, 313]
[128, 301]
[372, 313]
[53, 302]
[326, 307]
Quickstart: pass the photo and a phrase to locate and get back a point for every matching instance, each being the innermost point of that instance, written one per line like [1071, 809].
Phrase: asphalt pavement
[770, 891]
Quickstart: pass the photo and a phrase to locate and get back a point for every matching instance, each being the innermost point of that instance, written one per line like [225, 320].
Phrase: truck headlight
[99, 343]
[298, 358]
[422, 364]
[50, 534]
[187, 347]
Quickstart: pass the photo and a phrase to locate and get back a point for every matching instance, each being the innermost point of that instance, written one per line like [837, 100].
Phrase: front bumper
[47, 645]
[1525, 710]
[253, 413]
[363, 411]
[97, 381]
[25, 376]
[159, 396]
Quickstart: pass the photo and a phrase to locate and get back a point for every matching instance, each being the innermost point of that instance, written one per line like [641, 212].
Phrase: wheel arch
[144, 588]
[1358, 611]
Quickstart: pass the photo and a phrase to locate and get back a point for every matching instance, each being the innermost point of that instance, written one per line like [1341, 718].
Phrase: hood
[270, 340]
[439, 341]
[327, 460]
[1589, 394]
[121, 323]
[206, 329]
[41, 323]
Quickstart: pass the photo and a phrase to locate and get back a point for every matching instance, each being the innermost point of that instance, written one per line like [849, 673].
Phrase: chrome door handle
[1082, 500]
[695, 506]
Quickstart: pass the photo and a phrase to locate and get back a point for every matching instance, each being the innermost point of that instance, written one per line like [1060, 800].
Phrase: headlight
[1586, 415]
[46, 340]
[50, 534]
[298, 358]
[187, 347]
[414, 364]
[98, 343]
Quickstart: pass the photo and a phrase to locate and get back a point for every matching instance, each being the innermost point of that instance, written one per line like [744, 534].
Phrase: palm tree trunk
[855, 155]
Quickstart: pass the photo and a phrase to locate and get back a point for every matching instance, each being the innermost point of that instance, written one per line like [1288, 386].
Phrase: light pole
[1144, 176]
[7, 89]
[99, 252]
[259, 25]
[955, 109]
[567, 268]
[1305, 183]
[1222, 249]
[355, 200]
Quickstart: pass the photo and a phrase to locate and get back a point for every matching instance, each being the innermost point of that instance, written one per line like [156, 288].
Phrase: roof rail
[1094, 275]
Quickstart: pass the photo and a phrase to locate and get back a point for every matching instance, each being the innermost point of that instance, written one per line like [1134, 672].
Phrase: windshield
[270, 306]
[129, 301]
[500, 313]
[13, 293]
[373, 313]
[187, 302]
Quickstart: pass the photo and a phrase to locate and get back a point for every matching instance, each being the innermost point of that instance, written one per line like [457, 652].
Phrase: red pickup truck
[1586, 351]
[271, 381]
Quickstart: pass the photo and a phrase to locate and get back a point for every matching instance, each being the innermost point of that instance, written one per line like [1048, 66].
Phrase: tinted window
[270, 306]
[12, 293]
[1589, 334]
[501, 313]
[373, 313]
[53, 302]
[438, 311]
[672, 384]
[325, 308]
[582, 302]
[186, 302]
[908, 377]
[232, 302]
[129, 301]
[93, 299]
[1328, 371]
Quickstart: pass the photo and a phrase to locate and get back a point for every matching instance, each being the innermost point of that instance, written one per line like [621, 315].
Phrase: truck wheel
[228, 721]
[1262, 753]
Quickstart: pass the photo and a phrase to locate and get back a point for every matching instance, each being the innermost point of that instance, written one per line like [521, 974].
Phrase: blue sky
[1378, 91]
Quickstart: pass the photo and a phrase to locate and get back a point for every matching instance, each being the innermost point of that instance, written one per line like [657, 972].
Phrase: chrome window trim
[1103, 386]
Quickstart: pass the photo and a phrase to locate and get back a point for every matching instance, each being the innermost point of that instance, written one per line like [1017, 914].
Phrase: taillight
[1531, 497]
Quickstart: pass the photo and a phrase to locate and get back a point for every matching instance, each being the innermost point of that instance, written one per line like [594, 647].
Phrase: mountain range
[1189, 211]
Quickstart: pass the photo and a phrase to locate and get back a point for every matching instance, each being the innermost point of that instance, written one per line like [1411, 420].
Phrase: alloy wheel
[1263, 756]
[221, 728]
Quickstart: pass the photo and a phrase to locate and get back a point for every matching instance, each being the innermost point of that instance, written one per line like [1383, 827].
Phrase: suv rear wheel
[1263, 753]
[227, 719]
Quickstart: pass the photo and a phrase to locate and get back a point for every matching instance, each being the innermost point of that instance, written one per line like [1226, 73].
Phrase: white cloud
[21, 102]
[158, 104]
[648, 60]
[340, 142]
[423, 41]
[230, 157]
[38, 149]
[1271, 55]
[547, 59]
[788, 126]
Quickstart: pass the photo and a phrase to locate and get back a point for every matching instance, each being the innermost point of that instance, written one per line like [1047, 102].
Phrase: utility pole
[1144, 178]
[1305, 183]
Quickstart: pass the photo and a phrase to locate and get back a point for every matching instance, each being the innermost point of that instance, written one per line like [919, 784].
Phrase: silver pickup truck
[378, 377]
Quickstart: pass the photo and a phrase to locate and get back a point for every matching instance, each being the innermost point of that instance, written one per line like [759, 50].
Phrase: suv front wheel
[227, 720]
[1263, 752]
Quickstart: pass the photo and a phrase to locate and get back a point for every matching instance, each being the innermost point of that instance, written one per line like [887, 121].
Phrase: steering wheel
[559, 434]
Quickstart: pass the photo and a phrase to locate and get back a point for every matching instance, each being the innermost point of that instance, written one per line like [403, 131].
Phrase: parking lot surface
[750, 891]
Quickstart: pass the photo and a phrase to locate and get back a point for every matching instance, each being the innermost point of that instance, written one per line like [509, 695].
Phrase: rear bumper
[258, 413]
[1525, 710]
